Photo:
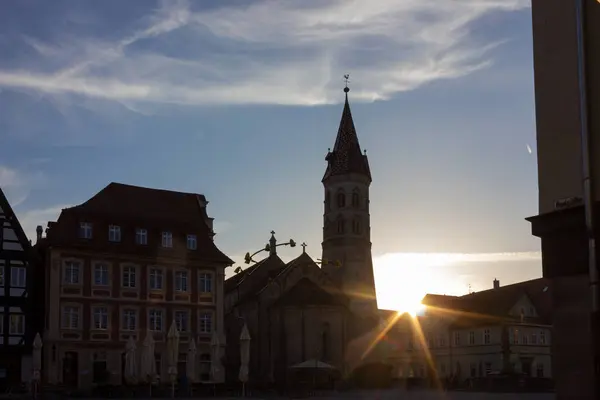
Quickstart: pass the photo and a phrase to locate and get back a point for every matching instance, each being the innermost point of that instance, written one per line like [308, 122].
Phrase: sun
[403, 279]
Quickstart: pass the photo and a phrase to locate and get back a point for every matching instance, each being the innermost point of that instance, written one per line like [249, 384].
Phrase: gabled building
[128, 261]
[19, 320]
[504, 329]
[294, 313]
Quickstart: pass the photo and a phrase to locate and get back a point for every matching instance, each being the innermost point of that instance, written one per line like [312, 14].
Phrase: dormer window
[85, 230]
[167, 239]
[141, 236]
[114, 233]
[192, 242]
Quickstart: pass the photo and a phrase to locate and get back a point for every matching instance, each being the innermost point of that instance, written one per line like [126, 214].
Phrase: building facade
[19, 317]
[128, 261]
[566, 97]
[505, 329]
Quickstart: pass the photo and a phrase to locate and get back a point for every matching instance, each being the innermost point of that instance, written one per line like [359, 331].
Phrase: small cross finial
[346, 80]
[303, 247]
[272, 232]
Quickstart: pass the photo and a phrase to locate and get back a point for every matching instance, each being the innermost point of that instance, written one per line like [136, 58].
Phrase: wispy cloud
[17, 184]
[268, 52]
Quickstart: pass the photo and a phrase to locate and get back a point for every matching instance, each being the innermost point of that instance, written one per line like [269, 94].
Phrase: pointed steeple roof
[346, 156]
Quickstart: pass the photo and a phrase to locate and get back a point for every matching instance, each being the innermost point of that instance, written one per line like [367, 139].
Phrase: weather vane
[346, 80]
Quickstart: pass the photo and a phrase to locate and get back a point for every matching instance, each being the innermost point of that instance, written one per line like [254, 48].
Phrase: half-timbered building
[17, 322]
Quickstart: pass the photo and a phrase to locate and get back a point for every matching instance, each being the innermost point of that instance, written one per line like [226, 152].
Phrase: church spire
[346, 156]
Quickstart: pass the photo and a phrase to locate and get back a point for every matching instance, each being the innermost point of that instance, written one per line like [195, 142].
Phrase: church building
[301, 312]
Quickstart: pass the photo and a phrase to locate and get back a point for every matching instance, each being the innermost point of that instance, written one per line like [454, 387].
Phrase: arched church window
[341, 225]
[355, 199]
[341, 199]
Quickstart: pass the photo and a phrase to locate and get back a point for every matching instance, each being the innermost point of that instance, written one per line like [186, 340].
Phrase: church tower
[346, 227]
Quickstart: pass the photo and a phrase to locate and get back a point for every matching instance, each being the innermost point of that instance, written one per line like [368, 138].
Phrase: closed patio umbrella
[130, 362]
[173, 354]
[244, 357]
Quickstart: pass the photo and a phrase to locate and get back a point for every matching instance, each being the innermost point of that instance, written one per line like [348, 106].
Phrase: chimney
[39, 231]
[496, 284]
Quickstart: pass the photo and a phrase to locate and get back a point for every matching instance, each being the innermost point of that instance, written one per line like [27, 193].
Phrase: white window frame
[86, 230]
[192, 242]
[182, 281]
[100, 318]
[205, 281]
[205, 322]
[487, 338]
[68, 315]
[20, 325]
[182, 317]
[456, 338]
[167, 239]
[104, 270]
[542, 337]
[114, 233]
[471, 338]
[155, 315]
[72, 272]
[141, 236]
[18, 276]
[129, 271]
[128, 316]
[155, 276]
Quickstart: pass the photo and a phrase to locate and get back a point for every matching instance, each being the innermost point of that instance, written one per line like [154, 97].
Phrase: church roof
[346, 156]
[253, 279]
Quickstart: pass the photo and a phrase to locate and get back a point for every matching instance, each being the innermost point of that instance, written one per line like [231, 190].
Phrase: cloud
[32, 218]
[17, 184]
[266, 52]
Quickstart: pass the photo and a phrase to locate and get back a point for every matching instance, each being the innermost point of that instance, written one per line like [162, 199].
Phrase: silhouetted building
[19, 306]
[128, 261]
[561, 112]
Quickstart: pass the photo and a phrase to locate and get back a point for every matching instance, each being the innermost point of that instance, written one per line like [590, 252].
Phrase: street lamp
[270, 247]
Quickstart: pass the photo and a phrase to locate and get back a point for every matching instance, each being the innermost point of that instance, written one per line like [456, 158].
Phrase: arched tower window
[355, 198]
[341, 199]
[327, 200]
[356, 228]
[341, 226]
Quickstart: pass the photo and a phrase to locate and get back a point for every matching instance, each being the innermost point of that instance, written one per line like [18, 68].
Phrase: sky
[239, 100]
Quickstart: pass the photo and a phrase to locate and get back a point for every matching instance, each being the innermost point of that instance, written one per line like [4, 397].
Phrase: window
[70, 317]
[156, 279]
[442, 341]
[205, 323]
[128, 278]
[205, 364]
[457, 338]
[18, 277]
[192, 242]
[340, 226]
[17, 324]
[356, 226]
[516, 336]
[486, 336]
[488, 368]
[1, 275]
[341, 200]
[141, 236]
[155, 320]
[525, 339]
[205, 284]
[539, 370]
[85, 230]
[100, 318]
[167, 239]
[182, 321]
[71, 276]
[129, 322]
[100, 274]
[181, 281]
[471, 337]
[542, 337]
[355, 199]
[114, 233]
[533, 338]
